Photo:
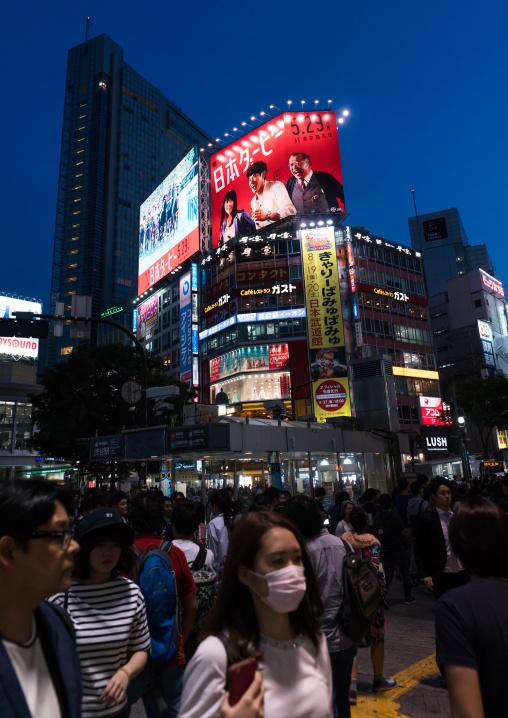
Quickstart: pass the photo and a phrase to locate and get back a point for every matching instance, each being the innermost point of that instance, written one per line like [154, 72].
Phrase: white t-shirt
[34, 677]
[218, 541]
[298, 682]
[274, 198]
[191, 550]
[110, 623]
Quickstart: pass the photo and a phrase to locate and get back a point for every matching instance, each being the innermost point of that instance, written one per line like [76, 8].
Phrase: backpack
[205, 578]
[414, 519]
[153, 572]
[383, 530]
[362, 595]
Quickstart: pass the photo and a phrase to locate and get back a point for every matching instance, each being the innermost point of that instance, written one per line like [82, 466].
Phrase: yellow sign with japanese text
[502, 439]
[325, 324]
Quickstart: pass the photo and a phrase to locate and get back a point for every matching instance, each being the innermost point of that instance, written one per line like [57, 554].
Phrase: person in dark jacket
[311, 190]
[40, 675]
[438, 566]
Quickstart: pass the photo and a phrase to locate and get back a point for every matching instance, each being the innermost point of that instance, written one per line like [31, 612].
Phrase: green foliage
[485, 403]
[82, 399]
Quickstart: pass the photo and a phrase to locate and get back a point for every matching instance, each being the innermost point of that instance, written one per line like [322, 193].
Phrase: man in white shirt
[271, 201]
[40, 675]
[186, 520]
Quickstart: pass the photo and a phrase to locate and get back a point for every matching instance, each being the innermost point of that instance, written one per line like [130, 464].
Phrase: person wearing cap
[108, 613]
[40, 675]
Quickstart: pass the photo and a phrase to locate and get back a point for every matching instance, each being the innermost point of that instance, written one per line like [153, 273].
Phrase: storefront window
[6, 424]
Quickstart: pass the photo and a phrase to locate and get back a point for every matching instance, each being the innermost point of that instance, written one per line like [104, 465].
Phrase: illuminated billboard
[248, 359]
[148, 316]
[326, 331]
[185, 328]
[433, 410]
[169, 223]
[290, 165]
[255, 387]
[14, 346]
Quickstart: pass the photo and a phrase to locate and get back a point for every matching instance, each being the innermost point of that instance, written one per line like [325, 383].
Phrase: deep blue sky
[425, 83]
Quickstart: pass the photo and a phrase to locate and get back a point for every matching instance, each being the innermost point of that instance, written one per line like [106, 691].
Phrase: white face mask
[286, 588]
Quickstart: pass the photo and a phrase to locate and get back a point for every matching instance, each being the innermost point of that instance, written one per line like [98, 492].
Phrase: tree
[485, 404]
[82, 398]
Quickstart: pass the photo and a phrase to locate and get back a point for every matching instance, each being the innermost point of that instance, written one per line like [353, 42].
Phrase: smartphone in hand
[241, 676]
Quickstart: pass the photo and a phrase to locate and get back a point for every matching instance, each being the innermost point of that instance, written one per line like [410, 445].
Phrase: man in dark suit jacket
[437, 564]
[40, 675]
[311, 190]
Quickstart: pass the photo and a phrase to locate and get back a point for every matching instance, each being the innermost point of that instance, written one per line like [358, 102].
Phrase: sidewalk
[409, 641]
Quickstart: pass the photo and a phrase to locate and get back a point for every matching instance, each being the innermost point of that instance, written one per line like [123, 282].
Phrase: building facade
[446, 253]
[121, 136]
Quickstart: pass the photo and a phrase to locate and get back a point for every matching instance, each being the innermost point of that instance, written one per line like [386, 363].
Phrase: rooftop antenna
[417, 219]
[88, 25]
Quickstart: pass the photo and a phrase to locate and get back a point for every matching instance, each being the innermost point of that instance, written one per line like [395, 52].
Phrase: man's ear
[7, 550]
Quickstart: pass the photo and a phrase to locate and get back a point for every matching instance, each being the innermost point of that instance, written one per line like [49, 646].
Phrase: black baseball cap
[105, 518]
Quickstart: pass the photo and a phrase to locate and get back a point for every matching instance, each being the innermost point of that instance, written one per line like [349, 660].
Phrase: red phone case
[241, 676]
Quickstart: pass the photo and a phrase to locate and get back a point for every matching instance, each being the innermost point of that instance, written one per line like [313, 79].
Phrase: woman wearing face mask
[268, 609]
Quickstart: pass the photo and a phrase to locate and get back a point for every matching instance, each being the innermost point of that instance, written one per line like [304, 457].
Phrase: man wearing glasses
[40, 675]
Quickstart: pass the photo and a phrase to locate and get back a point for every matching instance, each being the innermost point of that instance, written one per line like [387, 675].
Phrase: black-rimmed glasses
[65, 536]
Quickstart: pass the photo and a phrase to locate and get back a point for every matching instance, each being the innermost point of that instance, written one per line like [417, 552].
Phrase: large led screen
[14, 346]
[290, 165]
[169, 223]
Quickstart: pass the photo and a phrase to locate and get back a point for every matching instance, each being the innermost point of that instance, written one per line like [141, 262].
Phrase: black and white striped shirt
[110, 622]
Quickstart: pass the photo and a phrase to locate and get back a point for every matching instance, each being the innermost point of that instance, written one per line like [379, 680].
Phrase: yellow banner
[502, 439]
[324, 323]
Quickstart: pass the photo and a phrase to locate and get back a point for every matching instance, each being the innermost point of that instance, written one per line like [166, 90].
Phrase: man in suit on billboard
[437, 564]
[312, 191]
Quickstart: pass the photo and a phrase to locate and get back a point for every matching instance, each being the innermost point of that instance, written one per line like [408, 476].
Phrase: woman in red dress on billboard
[233, 221]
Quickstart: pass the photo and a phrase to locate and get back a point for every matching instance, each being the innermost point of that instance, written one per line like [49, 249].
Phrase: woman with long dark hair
[268, 609]
[108, 613]
[233, 221]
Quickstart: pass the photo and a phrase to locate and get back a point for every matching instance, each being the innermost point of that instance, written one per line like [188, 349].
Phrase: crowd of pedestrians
[235, 608]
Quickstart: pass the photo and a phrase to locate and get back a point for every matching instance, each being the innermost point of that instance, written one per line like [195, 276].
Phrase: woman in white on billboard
[233, 221]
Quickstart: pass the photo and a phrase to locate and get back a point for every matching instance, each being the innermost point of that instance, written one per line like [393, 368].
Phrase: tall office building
[445, 248]
[121, 137]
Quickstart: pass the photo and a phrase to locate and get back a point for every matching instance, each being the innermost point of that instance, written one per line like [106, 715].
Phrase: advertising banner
[248, 359]
[289, 165]
[148, 316]
[185, 328]
[169, 223]
[486, 339]
[325, 326]
[502, 440]
[14, 346]
[432, 408]
[255, 387]
[331, 398]
[435, 229]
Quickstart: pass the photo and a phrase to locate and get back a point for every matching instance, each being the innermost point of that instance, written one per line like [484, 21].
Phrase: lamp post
[292, 390]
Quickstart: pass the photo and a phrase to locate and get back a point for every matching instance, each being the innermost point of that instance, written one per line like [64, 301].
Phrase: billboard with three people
[290, 165]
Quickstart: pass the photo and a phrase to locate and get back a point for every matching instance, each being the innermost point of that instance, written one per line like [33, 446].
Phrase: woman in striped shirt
[108, 613]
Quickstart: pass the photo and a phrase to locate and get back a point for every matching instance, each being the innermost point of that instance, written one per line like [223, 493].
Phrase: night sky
[425, 83]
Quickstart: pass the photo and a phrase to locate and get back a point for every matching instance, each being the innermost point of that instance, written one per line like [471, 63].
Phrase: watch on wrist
[269, 216]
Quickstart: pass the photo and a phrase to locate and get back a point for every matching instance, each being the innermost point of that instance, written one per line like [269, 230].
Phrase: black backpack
[362, 595]
[383, 530]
